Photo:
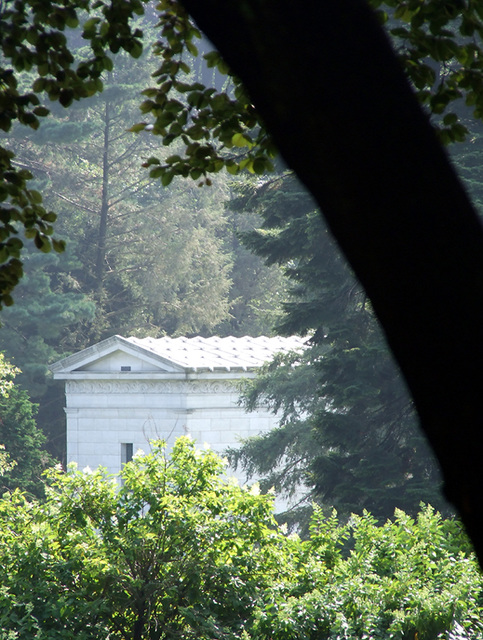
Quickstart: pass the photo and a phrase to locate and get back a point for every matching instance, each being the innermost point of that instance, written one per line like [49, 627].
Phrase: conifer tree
[348, 436]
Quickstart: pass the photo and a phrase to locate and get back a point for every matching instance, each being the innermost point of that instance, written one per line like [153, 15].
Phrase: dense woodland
[140, 259]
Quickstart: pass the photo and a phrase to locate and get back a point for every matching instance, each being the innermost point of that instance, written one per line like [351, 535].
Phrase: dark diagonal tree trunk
[324, 78]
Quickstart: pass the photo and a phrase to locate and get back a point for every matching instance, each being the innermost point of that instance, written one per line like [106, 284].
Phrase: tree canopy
[179, 551]
[33, 40]
[218, 128]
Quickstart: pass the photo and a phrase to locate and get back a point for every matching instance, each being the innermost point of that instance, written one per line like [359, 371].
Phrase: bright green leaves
[179, 552]
[405, 579]
[175, 552]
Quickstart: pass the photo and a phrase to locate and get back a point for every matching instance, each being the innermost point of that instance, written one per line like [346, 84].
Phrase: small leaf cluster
[439, 46]
[33, 41]
[219, 129]
[20, 205]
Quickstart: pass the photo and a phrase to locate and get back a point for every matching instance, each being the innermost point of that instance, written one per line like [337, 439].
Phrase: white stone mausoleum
[123, 392]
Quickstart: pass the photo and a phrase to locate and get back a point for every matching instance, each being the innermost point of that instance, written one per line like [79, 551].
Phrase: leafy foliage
[216, 128]
[442, 56]
[409, 578]
[438, 50]
[178, 551]
[174, 552]
[219, 129]
[21, 440]
[32, 39]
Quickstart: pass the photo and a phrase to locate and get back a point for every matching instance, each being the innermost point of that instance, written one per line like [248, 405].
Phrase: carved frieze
[150, 386]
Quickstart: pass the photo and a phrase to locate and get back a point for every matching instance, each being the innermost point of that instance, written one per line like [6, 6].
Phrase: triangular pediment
[113, 355]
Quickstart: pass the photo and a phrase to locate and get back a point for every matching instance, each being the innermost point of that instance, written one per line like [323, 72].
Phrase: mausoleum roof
[219, 353]
[177, 356]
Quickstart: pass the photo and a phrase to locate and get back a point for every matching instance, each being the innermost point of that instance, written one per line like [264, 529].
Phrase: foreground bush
[178, 552]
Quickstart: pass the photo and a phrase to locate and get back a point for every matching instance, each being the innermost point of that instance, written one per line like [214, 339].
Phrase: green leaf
[450, 119]
[42, 243]
[36, 197]
[232, 168]
[239, 140]
[166, 178]
[136, 128]
[259, 165]
[193, 49]
[58, 245]
[41, 111]
[136, 50]
[107, 63]
[158, 172]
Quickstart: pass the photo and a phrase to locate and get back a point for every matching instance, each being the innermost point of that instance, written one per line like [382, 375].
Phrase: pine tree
[48, 320]
[258, 289]
[348, 435]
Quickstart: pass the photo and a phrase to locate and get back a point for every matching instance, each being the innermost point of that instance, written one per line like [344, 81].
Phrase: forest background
[148, 259]
[141, 259]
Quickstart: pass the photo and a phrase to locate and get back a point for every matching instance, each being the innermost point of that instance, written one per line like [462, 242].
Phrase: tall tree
[147, 257]
[348, 435]
[32, 38]
[49, 319]
[258, 289]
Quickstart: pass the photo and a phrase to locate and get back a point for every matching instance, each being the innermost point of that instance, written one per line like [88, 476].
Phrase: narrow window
[126, 452]
[127, 368]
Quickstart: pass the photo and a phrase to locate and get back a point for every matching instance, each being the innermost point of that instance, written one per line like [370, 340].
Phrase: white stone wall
[104, 413]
